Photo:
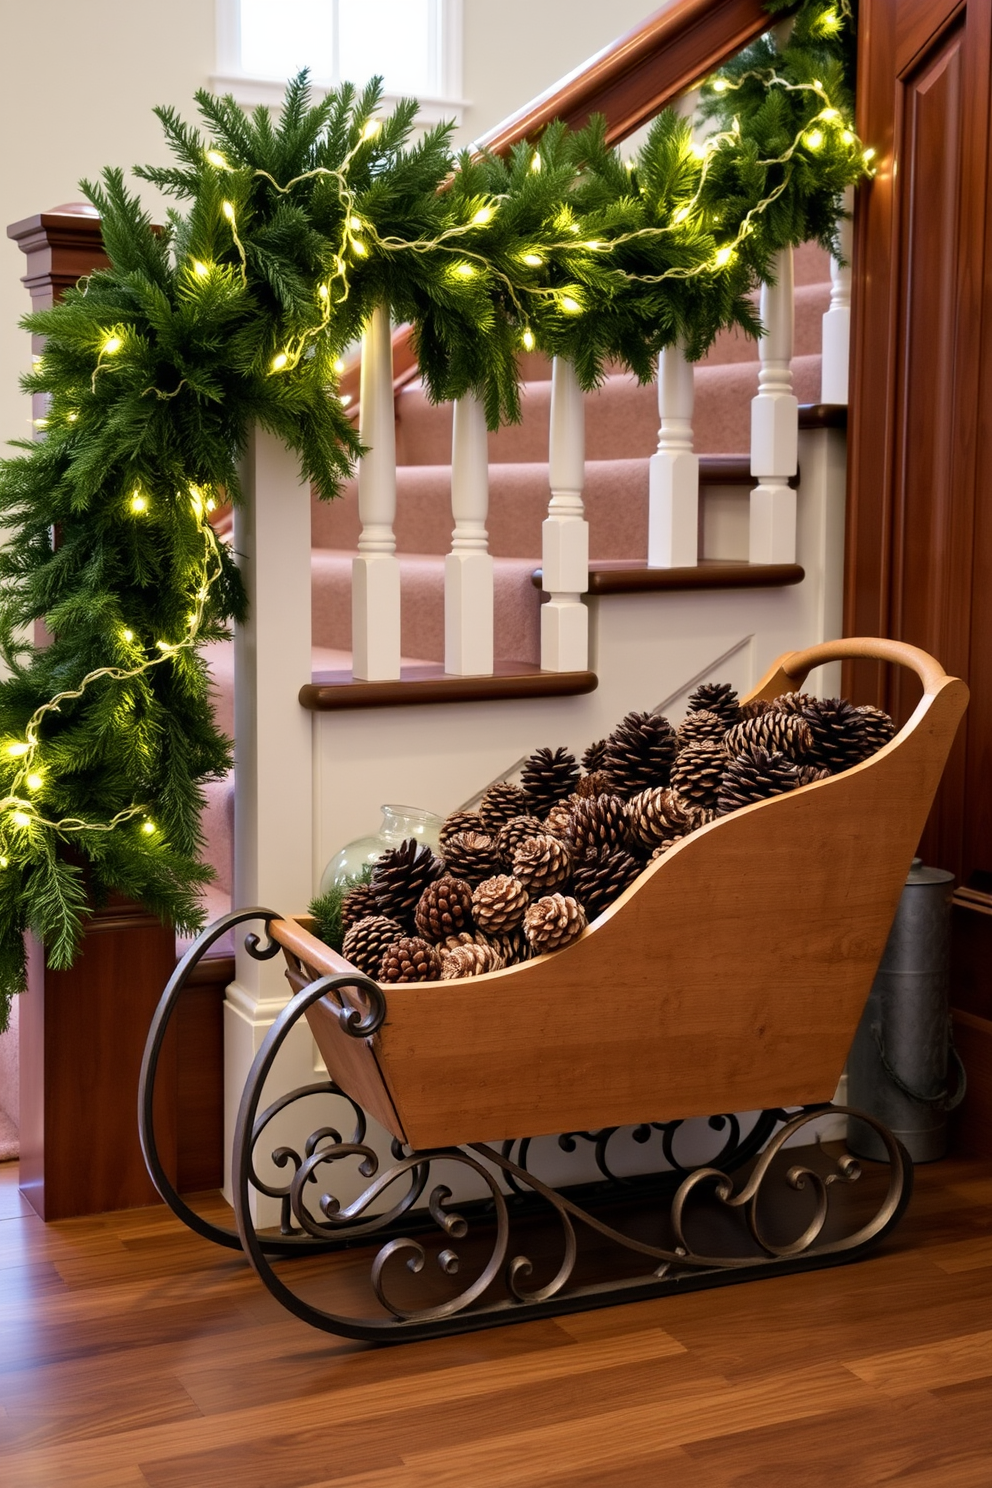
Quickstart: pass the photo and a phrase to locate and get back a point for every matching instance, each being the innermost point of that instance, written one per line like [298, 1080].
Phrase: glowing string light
[528, 339]
[139, 503]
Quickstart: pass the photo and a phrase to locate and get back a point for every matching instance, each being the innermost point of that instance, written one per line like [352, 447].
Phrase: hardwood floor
[133, 1353]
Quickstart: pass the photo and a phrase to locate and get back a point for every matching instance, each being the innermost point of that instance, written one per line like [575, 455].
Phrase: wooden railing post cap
[75, 219]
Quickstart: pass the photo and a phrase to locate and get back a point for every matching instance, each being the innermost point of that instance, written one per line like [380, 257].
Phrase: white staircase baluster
[468, 568]
[775, 426]
[673, 503]
[837, 320]
[375, 581]
[565, 532]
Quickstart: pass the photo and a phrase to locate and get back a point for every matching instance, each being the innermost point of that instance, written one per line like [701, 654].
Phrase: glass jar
[398, 823]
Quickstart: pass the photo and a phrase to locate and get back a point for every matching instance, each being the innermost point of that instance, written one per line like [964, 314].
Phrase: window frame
[446, 103]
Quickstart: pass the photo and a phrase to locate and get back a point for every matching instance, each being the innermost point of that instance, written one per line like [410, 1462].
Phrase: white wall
[78, 83]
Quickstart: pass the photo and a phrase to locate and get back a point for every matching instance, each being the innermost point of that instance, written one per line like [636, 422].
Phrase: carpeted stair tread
[516, 608]
[621, 418]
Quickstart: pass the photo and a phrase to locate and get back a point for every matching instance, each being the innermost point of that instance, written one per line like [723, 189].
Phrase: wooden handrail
[634, 77]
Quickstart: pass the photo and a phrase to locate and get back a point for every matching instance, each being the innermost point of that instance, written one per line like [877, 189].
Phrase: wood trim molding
[62, 246]
[823, 415]
[633, 576]
[330, 691]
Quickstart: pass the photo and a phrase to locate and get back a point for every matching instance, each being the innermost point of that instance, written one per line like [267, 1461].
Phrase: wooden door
[919, 562]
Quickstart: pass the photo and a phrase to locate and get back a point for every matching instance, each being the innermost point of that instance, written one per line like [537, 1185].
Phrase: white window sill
[250, 92]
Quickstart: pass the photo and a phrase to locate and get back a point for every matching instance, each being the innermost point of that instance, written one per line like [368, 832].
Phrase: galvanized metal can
[897, 1068]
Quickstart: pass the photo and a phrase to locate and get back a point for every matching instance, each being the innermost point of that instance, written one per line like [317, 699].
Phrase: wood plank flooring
[134, 1355]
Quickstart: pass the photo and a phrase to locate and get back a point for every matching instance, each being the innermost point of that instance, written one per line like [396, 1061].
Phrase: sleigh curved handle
[792, 668]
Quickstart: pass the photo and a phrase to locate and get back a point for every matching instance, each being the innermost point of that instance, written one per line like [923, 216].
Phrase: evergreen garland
[238, 312]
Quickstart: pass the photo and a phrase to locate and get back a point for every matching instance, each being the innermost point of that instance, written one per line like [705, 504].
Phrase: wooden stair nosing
[331, 691]
[633, 576]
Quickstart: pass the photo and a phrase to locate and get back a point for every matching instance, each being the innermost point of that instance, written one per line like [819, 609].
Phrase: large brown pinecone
[471, 855]
[598, 823]
[838, 734]
[548, 777]
[498, 904]
[793, 702]
[716, 697]
[754, 776]
[410, 959]
[698, 773]
[512, 947]
[698, 816]
[470, 960]
[781, 733]
[594, 756]
[701, 727]
[601, 877]
[457, 822]
[754, 707]
[595, 784]
[400, 877]
[445, 908]
[513, 833]
[366, 941]
[541, 864]
[357, 904]
[810, 774]
[500, 804]
[552, 921]
[557, 821]
[656, 816]
[877, 728]
[639, 753]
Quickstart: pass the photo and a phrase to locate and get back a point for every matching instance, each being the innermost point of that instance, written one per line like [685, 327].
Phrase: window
[414, 45]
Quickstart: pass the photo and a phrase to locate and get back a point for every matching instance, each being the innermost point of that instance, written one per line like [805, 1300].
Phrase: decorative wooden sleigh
[730, 977]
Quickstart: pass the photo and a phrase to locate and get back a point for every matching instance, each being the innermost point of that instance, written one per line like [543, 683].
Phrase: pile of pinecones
[528, 870]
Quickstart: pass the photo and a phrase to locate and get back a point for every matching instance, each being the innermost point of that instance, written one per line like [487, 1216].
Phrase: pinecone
[366, 941]
[782, 733]
[471, 855]
[501, 803]
[793, 702]
[755, 707]
[877, 728]
[594, 757]
[512, 947]
[601, 877]
[839, 734]
[809, 774]
[698, 816]
[639, 753]
[548, 777]
[595, 784]
[663, 847]
[553, 921]
[655, 816]
[557, 821]
[716, 697]
[470, 960]
[754, 776]
[701, 727]
[410, 959]
[698, 773]
[598, 824]
[498, 904]
[445, 908]
[457, 822]
[515, 831]
[542, 863]
[464, 937]
[401, 876]
[357, 904]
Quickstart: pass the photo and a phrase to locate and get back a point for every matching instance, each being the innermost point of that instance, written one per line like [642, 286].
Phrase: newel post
[375, 575]
[775, 425]
[673, 501]
[565, 532]
[468, 568]
[273, 779]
